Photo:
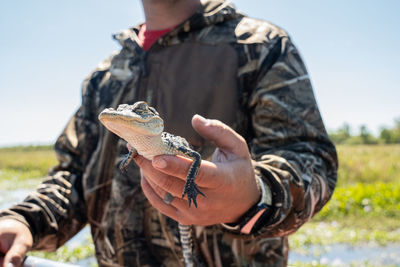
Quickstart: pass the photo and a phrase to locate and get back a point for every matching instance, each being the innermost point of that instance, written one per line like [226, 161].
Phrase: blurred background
[351, 49]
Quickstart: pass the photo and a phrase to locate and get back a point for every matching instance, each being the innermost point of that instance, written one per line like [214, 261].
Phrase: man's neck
[162, 14]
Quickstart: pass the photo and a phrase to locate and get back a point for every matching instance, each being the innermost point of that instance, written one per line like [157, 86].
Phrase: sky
[47, 48]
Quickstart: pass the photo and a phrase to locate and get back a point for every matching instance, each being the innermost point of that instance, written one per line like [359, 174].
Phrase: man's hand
[228, 180]
[15, 241]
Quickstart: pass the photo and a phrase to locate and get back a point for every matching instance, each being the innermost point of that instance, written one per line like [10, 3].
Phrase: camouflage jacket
[222, 65]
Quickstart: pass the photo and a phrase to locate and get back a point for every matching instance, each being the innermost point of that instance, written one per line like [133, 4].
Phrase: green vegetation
[334, 232]
[68, 254]
[372, 200]
[368, 184]
[20, 167]
[365, 207]
[368, 164]
[23, 167]
[386, 136]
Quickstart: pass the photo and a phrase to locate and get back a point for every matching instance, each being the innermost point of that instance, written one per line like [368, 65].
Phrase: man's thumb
[15, 255]
[224, 137]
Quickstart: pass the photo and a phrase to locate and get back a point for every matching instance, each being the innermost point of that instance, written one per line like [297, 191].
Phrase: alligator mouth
[128, 115]
[127, 123]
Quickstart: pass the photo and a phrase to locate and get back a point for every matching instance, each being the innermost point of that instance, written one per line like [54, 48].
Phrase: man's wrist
[247, 222]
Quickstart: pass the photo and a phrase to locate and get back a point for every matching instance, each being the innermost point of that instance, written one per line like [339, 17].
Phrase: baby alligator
[142, 127]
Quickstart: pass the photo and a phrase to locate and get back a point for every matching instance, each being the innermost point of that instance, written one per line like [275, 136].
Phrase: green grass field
[364, 208]
[23, 167]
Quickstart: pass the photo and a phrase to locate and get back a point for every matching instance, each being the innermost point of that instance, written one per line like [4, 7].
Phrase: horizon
[350, 49]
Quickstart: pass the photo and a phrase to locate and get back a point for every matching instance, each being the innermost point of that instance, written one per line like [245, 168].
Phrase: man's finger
[157, 201]
[166, 182]
[224, 137]
[177, 202]
[179, 167]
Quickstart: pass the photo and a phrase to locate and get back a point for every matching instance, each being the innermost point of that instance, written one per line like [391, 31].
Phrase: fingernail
[201, 119]
[10, 265]
[159, 163]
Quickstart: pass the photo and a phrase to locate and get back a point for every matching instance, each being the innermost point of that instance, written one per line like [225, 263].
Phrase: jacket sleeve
[289, 144]
[56, 210]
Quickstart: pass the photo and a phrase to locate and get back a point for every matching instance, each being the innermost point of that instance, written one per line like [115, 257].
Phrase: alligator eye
[153, 110]
[140, 105]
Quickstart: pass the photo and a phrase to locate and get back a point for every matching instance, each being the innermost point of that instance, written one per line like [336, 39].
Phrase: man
[273, 168]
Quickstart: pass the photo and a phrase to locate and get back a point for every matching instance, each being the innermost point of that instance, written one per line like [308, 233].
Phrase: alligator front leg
[123, 166]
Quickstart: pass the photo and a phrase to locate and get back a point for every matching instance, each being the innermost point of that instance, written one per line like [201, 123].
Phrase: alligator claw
[192, 191]
[123, 166]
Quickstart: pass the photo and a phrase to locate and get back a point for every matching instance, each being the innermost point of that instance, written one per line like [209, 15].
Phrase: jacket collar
[210, 12]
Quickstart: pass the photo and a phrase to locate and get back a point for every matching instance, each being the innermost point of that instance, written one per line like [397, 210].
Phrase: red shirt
[148, 38]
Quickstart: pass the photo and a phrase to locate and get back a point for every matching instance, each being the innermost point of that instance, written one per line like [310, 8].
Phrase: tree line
[344, 135]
